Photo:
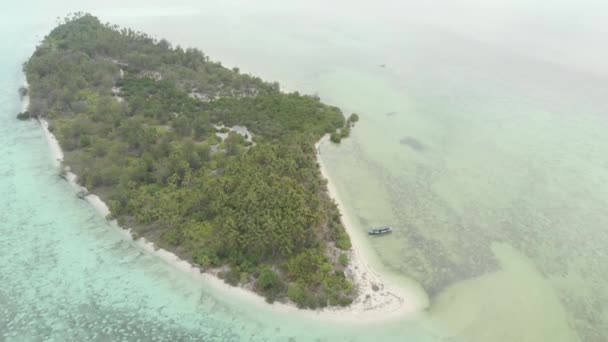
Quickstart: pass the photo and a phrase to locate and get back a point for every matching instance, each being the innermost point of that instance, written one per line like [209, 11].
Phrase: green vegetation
[139, 123]
[335, 137]
[344, 132]
[343, 259]
[24, 115]
[22, 91]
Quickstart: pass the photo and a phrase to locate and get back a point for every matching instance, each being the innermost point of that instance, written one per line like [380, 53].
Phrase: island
[214, 165]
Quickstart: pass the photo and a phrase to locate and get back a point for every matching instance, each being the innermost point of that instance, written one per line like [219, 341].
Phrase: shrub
[344, 301]
[233, 276]
[205, 258]
[85, 141]
[24, 116]
[335, 137]
[343, 259]
[345, 132]
[296, 294]
[244, 278]
[311, 301]
[269, 284]
[343, 242]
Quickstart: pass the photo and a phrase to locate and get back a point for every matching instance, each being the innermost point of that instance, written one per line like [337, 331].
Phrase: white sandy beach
[376, 300]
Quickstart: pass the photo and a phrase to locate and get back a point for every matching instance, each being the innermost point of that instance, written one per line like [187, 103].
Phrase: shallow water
[482, 142]
[513, 153]
[67, 274]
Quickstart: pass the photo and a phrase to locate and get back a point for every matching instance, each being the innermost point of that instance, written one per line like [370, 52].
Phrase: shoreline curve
[376, 299]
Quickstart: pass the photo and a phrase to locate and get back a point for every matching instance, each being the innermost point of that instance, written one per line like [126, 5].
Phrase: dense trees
[138, 122]
[344, 132]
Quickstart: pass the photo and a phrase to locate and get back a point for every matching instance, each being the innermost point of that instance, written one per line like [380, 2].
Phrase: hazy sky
[568, 32]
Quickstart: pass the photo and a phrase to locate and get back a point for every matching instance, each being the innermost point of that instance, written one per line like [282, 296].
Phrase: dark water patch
[413, 143]
[427, 256]
[441, 246]
[391, 114]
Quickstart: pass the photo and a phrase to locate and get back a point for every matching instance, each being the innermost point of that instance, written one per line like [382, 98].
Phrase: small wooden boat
[380, 230]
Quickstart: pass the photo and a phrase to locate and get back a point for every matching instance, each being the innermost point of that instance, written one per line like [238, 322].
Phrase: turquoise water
[482, 141]
[67, 274]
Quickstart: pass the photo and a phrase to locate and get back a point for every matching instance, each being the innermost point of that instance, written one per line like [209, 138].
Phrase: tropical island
[214, 165]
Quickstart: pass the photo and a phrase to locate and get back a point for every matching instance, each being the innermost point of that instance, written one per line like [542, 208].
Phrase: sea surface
[482, 141]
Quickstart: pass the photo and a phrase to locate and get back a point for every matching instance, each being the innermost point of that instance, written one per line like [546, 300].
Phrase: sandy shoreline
[387, 300]
[376, 300]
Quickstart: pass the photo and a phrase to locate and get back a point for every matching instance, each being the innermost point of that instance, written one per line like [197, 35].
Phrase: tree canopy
[147, 127]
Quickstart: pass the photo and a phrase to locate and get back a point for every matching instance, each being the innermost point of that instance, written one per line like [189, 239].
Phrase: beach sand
[376, 299]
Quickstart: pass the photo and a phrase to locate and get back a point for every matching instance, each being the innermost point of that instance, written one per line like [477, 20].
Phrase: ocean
[481, 142]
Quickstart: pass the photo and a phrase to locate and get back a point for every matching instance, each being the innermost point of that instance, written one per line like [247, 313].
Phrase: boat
[380, 230]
